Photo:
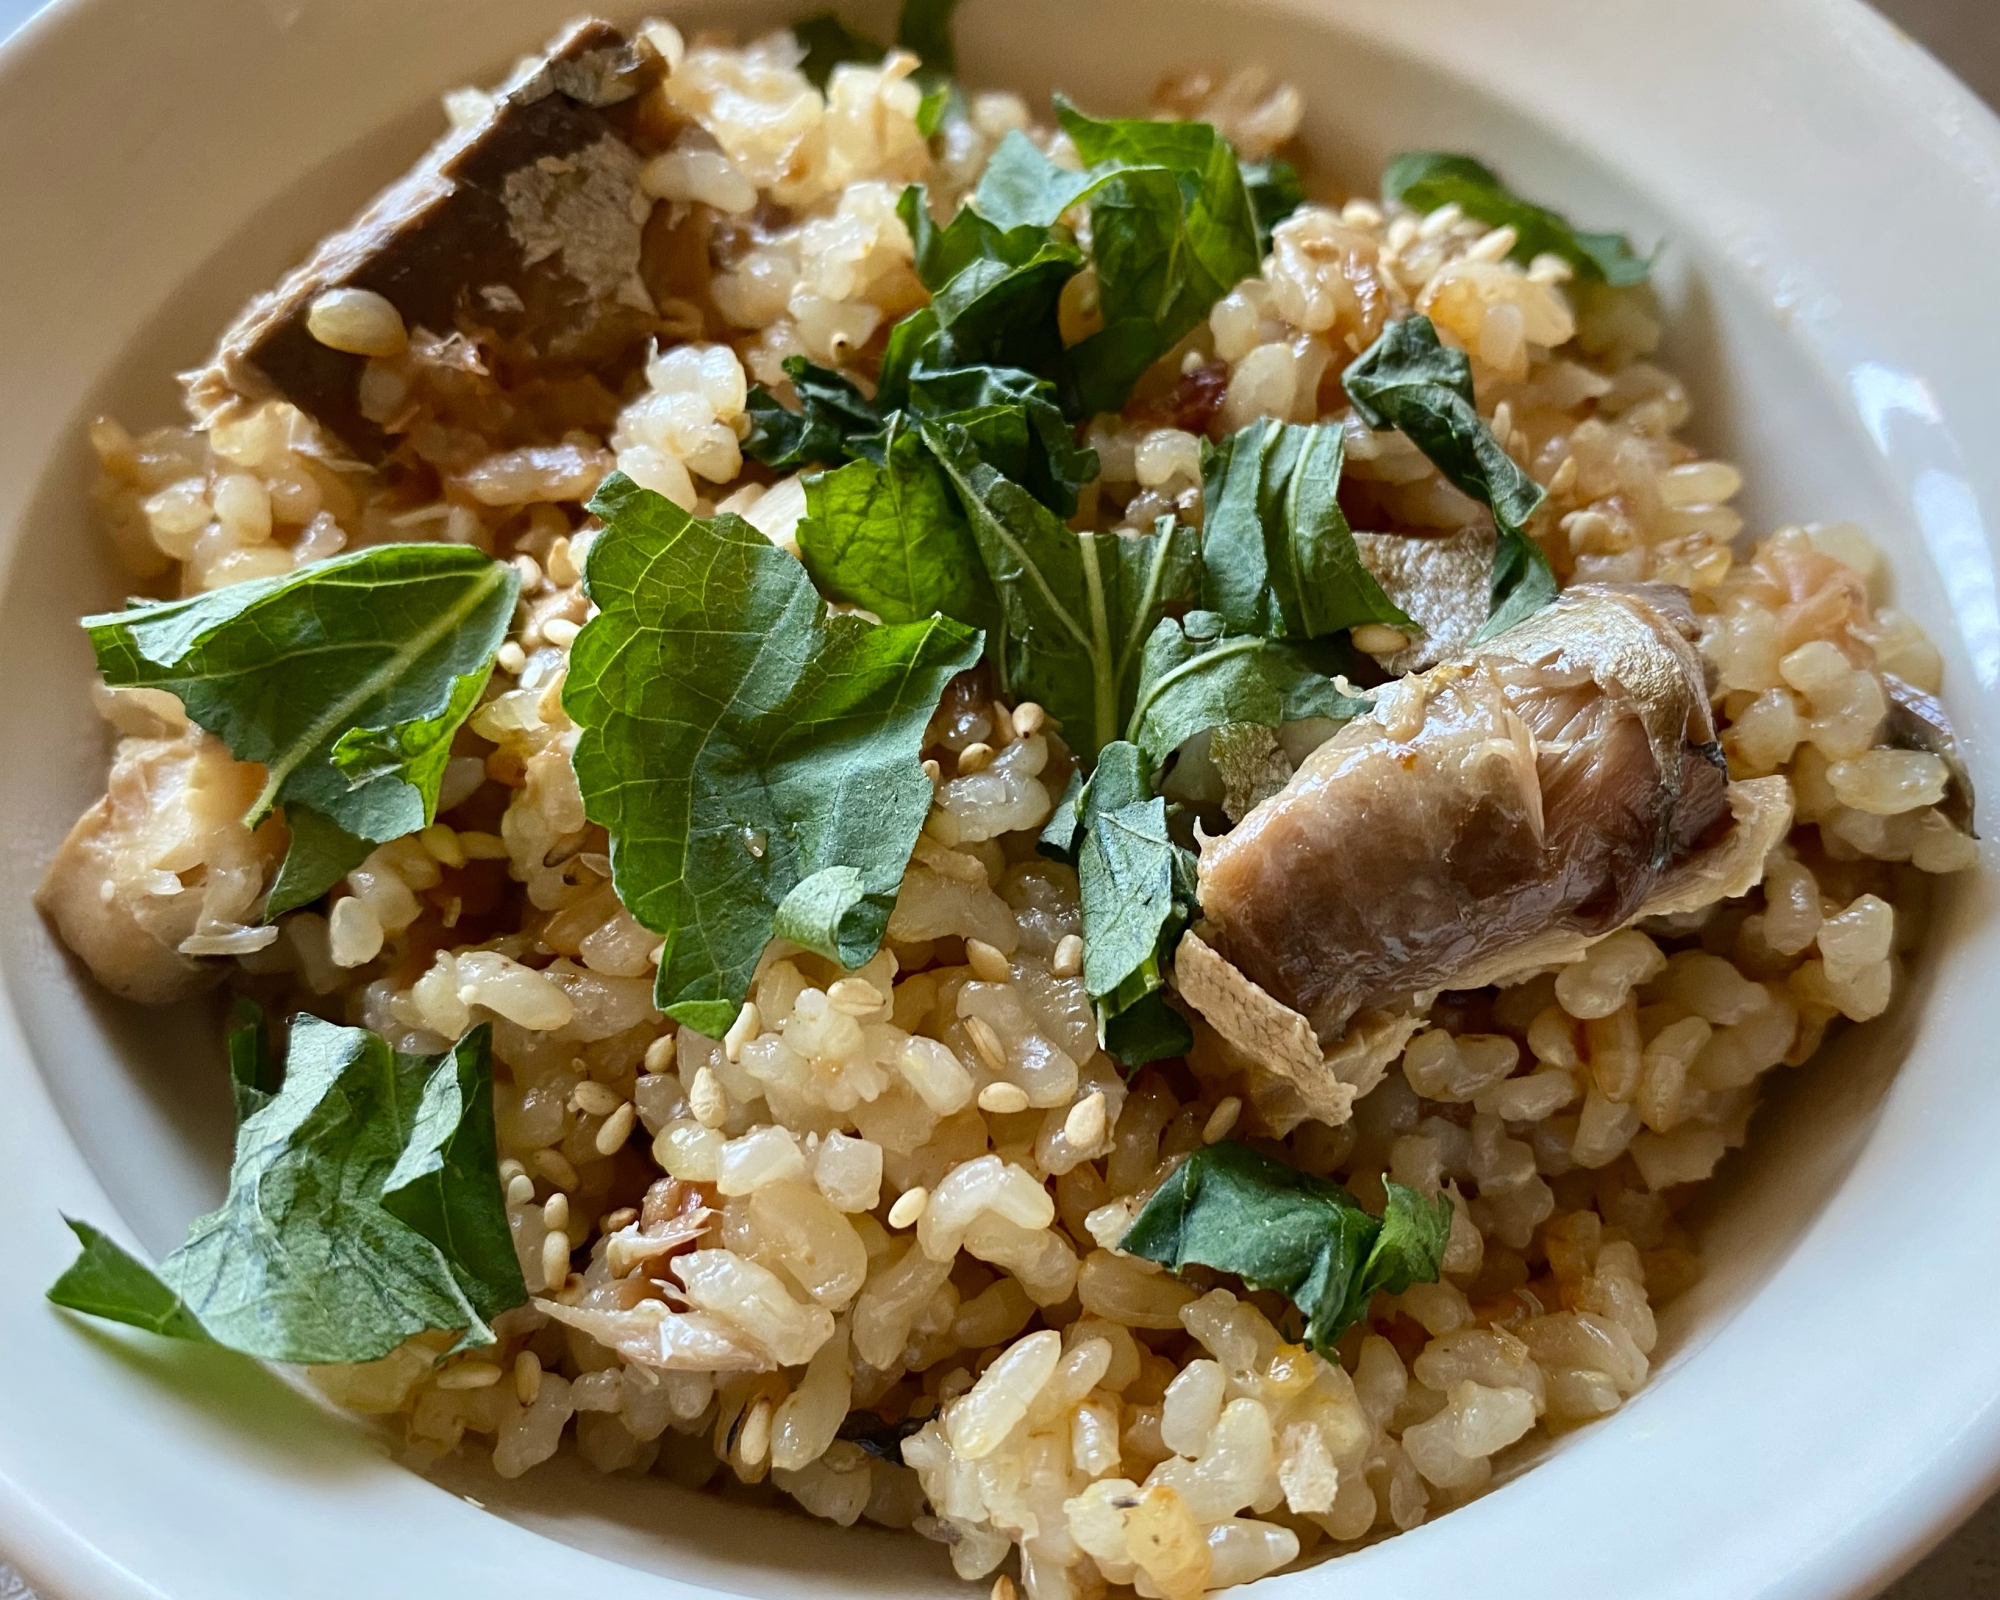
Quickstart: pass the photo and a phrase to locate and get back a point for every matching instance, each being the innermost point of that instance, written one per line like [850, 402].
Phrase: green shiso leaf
[737, 741]
[364, 1206]
[1407, 380]
[346, 679]
[1233, 1209]
[1427, 179]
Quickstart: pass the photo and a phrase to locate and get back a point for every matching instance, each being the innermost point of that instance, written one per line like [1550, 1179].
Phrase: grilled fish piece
[1917, 721]
[523, 229]
[1491, 816]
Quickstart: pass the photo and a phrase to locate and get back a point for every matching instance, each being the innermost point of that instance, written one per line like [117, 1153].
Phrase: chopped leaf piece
[1278, 558]
[1138, 892]
[1275, 193]
[253, 1070]
[1427, 179]
[1016, 425]
[1407, 380]
[108, 1281]
[828, 43]
[320, 855]
[737, 741]
[890, 536]
[1172, 232]
[1233, 1209]
[835, 423]
[346, 679]
[1074, 608]
[924, 29]
[364, 1206]
[1195, 676]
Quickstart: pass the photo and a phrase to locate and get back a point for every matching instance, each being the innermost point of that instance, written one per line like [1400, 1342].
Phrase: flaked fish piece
[653, 1334]
[1493, 815]
[523, 227]
[1441, 582]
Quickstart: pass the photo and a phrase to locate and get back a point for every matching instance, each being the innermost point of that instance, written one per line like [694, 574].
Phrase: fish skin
[1552, 778]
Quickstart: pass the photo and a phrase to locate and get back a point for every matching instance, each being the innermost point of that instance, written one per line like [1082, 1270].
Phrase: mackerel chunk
[521, 229]
[1549, 782]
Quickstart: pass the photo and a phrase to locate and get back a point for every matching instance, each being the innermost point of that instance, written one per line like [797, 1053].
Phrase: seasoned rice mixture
[856, 1230]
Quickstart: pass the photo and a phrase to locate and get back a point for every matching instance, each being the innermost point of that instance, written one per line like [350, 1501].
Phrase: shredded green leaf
[346, 679]
[253, 1071]
[1275, 193]
[364, 1206]
[1407, 380]
[738, 742]
[1233, 1209]
[828, 43]
[1172, 232]
[1196, 675]
[1074, 608]
[1427, 179]
[835, 423]
[1278, 558]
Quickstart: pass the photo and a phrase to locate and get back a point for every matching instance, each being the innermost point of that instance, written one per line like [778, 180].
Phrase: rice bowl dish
[930, 1207]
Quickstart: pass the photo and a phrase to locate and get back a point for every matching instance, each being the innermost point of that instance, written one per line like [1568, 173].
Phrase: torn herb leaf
[1138, 893]
[1195, 675]
[1231, 1208]
[1407, 380]
[346, 680]
[738, 741]
[1275, 193]
[364, 1206]
[834, 422]
[890, 536]
[1427, 179]
[1074, 609]
[1278, 558]
[1172, 232]
[253, 1070]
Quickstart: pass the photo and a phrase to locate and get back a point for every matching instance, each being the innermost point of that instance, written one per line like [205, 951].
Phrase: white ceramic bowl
[1829, 1400]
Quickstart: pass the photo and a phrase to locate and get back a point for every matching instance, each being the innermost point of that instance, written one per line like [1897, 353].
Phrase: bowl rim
[1951, 144]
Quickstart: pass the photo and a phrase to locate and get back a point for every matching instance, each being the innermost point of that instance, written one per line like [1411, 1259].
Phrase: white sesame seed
[707, 1099]
[527, 1377]
[561, 632]
[909, 1206]
[660, 1054]
[1068, 959]
[483, 846]
[512, 658]
[616, 1130]
[1221, 1119]
[562, 565]
[1003, 1099]
[595, 1099]
[469, 1375]
[932, 770]
[855, 997]
[520, 1189]
[753, 1442]
[987, 963]
[357, 322]
[555, 1259]
[554, 1165]
[986, 1042]
[747, 1026]
[510, 1169]
[1084, 1125]
[441, 843]
[975, 757]
[1378, 639]
[1028, 719]
[555, 1210]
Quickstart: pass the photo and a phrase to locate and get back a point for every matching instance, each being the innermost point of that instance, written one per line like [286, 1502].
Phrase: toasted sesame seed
[554, 1165]
[469, 1375]
[909, 1206]
[441, 843]
[753, 1440]
[855, 997]
[483, 846]
[1068, 959]
[1084, 1125]
[932, 770]
[986, 1042]
[1377, 639]
[555, 1259]
[1028, 719]
[561, 632]
[987, 963]
[512, 659]
[357, 322]
[527, 1377]
[747, 1026]
[975, 757]
[707, 1100]
[660, 1054]
[562, 565]
[520, 1189]
[1003, 1099]
[595, 1099]
[1221, 1119]
[555, 1210]
[616, 1130]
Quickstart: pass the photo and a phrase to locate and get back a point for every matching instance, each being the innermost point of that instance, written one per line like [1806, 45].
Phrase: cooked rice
[899, 1190]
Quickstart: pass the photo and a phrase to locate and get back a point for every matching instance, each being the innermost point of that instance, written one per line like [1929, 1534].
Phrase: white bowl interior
[198, 220]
